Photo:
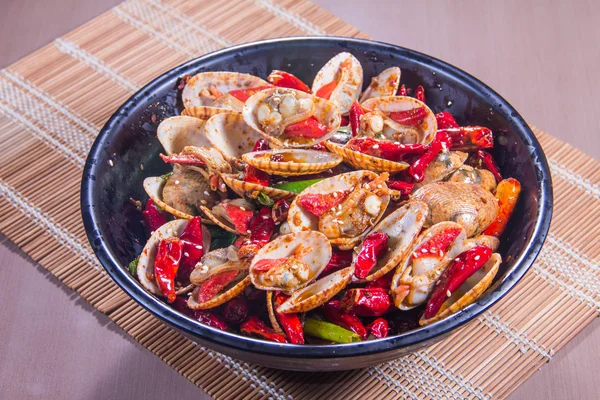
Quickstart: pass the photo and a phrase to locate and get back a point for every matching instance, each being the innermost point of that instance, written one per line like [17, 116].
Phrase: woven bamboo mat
[54, 101]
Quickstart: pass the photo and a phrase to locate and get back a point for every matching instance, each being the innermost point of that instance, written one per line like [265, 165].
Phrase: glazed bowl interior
[129, 141]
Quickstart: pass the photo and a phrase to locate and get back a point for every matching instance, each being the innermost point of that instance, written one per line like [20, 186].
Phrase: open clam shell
[347, 71]
[471, 206]
[307, 252]
[242, 188]
[318, 292]
[402, 228]
[366, 161]
[443, 165]
[204, 88]
[271, 311]
[325, 111]
[411, 285]
[218, 215]
[388, 104]
[474, 176]
[384, 84]
[471, 290]
[145, 267]
[292, 162]
[230, 135]
[175, 133]
[301, 220]
[203, 112]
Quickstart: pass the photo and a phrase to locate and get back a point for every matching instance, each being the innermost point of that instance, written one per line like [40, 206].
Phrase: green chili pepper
[327, 331]
[344, 129]
[166, 176]
[133, 266]
[220, 238]
[264, 200]
[297, 186]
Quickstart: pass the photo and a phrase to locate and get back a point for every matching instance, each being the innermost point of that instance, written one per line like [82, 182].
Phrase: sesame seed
[457, 259]
[441, 253]
[266, 217]
[186, 254]
[434, 250]
[448, 293]
[111, 163]
[376, 146]
[198, 247]
[425, 251]
[242, 208]
[389, 249]
[248, 231]
[142, 167]
[477, 257]
[335, 194]
[203, 202]
[206, 193]
[177, 182]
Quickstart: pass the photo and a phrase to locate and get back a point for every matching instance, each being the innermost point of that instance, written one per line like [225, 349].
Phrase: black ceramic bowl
[129, 139]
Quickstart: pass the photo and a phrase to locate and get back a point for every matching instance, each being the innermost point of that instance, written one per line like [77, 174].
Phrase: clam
[271, 311]
[317, 293]
[474, 176]
[292, 162]
[145, 267]
[365, 200]
[231, 215]
[471, 206]
[181, 194]
[366, 161]
[175, 133]
[482, 240]
[290, 262]
[379, 122]
[280, 115]
[469, 291]
[384, 84]
[218, 277]
[444, 164]
[402, 228]
[415, 277]
[230, 135]
[203, 112]
[229, 103]
[204, 88]
[340, 80]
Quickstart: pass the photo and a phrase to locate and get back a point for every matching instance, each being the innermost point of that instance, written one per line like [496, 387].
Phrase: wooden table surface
[540, 55]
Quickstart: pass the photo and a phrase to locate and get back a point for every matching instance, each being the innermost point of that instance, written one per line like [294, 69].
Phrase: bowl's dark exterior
[129, 140]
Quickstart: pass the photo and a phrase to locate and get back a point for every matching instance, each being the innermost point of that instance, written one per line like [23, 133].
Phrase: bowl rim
[238, 342]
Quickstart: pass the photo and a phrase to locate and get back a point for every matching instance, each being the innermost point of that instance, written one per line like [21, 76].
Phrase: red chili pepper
[507, 193]
[277, 157]
[210, 288]
[366, 302]
[383, 282]
[236, 310]
[184, 159]
[356, 112]
[206, 317]
[402, 90]
[261, 145]
[240, 217]
[254, 326]
[244, 94]
[325, 91]
[412, 117]
[166, 264]
[345, 121]
[487, 162]
[291, 324]
[254, 175]
[437, 245]
[420, 93]
[153, 219]
[372, 248]
[405, 188]
[261, 228]
[332, 311]
[319, 204]
[267, 264]
[379, 328]
[461, 268]
[309, 128]
[280, 209]
[470, 138]
[441, 142]
[193, 249]
[385, 148]
[286, 80]
[339, 259]
[319, 147]
[445, 120]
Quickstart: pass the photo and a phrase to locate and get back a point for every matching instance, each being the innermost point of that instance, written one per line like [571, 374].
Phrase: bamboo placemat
[54, 101]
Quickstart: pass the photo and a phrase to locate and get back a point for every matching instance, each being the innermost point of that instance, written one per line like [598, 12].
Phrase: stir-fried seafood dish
[320, 214]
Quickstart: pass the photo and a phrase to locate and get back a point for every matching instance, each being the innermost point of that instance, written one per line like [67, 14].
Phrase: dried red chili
[385, 148]
[420, 93]
[309, 128]
[379, 328]
[153, 219]
[507, 193]
[356, 112]
[333, 312]
[261, 228]
[372, 248]
[244, 94]
[236, 310]
[240, 216]
[461, 268]
[445, 120]
[366, 302]
[402, 90]
[470, 138]
[318, 204]
[383, 282]
[166, 264]
[438, 244]
[412, 117]
[339, 259]
[205, 316]
[291, 324]
[280, 209]
[286, 80]
[193, 249]
[405, 188]
[441, 142]
[211, 287]
[325, 91]
[254, 326]
[255, 175]
[487, 161]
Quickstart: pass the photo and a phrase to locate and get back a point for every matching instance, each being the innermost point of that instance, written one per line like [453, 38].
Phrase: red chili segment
[461, 268]
[412, 117]
[184, 159]
[290, 323]
[153, 219]
[379, 328]
[383, 282]
[507, 193]
[236, 310]
[254, 326]
[420, 93]
[261, 145]
[339, 259]
[441, 142]
[437, 246]
[240, 217]
[325, 91]
[402, 90]
[366, 302]
[372, 248]
[244, 94]
[488, 162]
[309, 128]
[405, 188]
[206, 317]
[166, 264]
[470, 138]
[384, 148]
[261, 228]
[210, 288]
[356, 112]
[255, 175]
[333, 312]
[318, 204]
[193, 249]
[267, 264]
[286, 80]
[445, 120]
